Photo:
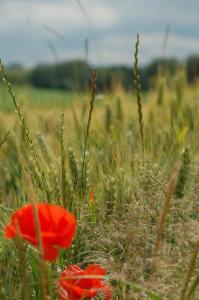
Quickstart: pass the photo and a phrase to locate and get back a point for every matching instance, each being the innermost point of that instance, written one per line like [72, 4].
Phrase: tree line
[76, 75]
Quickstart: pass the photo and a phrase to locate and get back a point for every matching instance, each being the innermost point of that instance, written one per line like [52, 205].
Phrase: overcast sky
[34, 31]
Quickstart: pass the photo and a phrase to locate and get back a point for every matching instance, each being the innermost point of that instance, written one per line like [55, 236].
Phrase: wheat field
[125, 164]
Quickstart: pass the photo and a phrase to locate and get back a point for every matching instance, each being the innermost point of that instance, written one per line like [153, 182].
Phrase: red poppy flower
[75, 283]
[57, 227]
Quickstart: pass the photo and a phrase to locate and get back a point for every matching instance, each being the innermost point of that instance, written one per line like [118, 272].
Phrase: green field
[37, 98]
[136, 201]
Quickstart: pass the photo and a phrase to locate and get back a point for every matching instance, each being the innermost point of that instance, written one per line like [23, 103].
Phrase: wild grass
[91, 160]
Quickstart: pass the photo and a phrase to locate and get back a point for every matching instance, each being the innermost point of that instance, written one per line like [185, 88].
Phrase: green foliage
[183, 173]
[107, 119]
[192, 68]
[188, 116]
[74, 169]
[119, 111]
[69, 76]
[161, 89]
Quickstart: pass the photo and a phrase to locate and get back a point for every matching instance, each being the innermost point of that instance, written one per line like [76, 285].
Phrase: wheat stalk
[137, 87]
[92, 99]
[63, 167]
[165, 210]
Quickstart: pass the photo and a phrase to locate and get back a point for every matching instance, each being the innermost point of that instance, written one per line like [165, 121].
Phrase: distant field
[37, 98]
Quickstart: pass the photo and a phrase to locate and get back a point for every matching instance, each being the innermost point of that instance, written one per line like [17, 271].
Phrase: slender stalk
[4, 139]
[81, 184]
[22, 264]
[84, 277]
[92, 99]
[63, 167]
[165, 210]
[189, 275]
[137, 87]
[40, 246]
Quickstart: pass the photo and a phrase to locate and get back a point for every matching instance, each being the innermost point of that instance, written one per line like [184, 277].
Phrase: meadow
[125, 164]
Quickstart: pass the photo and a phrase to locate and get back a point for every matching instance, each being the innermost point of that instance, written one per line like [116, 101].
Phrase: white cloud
[60, 14]
[178, 45]
[119, 49]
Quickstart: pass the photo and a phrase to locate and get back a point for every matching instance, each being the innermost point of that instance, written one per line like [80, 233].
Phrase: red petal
[57, 227]
[72, 271]
[82, 288]
[50, 253]
[74, 292]
[95, 270]
[24, 217]
[9, 232]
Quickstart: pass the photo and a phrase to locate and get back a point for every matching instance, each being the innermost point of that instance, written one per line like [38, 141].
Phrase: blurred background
[55, 44]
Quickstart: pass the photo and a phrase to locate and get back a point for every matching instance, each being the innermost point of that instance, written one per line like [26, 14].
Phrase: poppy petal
[9, 232]
[95, 270]
[57, 227]
[85, 285]
[50, 253]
